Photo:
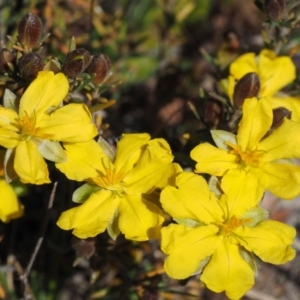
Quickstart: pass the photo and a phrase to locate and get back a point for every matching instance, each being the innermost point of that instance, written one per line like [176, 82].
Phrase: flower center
[27, 127]
[247, 158]
[112, 180]
[227, 228]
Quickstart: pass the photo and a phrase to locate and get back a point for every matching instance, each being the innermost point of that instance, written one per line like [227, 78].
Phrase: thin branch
[24, 277]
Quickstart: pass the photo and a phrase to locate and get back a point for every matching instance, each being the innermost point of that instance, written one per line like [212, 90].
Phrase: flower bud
[29, 65]
[247, 87]
[84, 248]
[275, 9]
[76, 62]
[278, 116]
[30, 31]
[100, 67]
[6, 57]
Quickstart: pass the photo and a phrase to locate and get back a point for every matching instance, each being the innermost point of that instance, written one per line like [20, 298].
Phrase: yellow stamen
[247, 158]
[227, 228]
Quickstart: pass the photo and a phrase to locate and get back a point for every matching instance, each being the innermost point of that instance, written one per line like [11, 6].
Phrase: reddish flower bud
[84, 248]
[76, 62]
[247, 87]
[275, 9]
[278, 116]
[6, 57]
[29, 65]
[30, 31]
[99, 67]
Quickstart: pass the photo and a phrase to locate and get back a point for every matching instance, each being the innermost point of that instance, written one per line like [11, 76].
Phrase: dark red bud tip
[29, 65]
[278, 116]
[99, 67]
[275, 9]
[76, 62]
[6, 57]
[30, 31]
[247, 87]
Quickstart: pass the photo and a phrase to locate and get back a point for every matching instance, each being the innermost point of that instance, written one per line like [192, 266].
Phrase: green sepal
[221, 136]
[113, 229]
[9, 100]
[214, 186]
[52, 151]
[188, 222]
[202, 265]
[256, 215]
[108, 150]
[84, 192]
[9, 171]
[248, 257]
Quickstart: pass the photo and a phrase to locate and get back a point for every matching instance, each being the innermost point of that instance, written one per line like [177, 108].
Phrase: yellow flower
[35, 131]
[274, 74]
[10, 207]
[119, 189]
[250, 161]
[217, 237]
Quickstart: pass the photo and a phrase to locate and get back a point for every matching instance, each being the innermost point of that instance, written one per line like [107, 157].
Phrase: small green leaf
[19, 188]
[108, 150]
[72, 44]
[84, 192]
[9, 100]
[52, 151]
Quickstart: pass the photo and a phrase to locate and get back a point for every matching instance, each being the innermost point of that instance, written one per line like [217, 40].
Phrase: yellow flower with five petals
[35, 131]
[274, 72]
[251, 161]
[117, 196]
[218, 237]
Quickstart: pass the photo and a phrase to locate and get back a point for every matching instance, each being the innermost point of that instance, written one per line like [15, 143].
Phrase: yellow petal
[29, 164]
[228, 271]
[271, 69]
[84, 160]
[244, 64]
[45, 91]
[153, 169]
[256, 121]
[92, 217]
[11, 208]
[212, 160]
[269, 240]
[139, 219]
[129, 150]
[187, 247]
[242, 189]
[283, 142]
[72, 123]
[191, 200]
[290, 103]
[280, 179]
[8, 139]
[8, 119]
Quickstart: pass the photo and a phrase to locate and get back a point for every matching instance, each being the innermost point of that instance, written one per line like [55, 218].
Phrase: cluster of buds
[22, 63]
[79, 61]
